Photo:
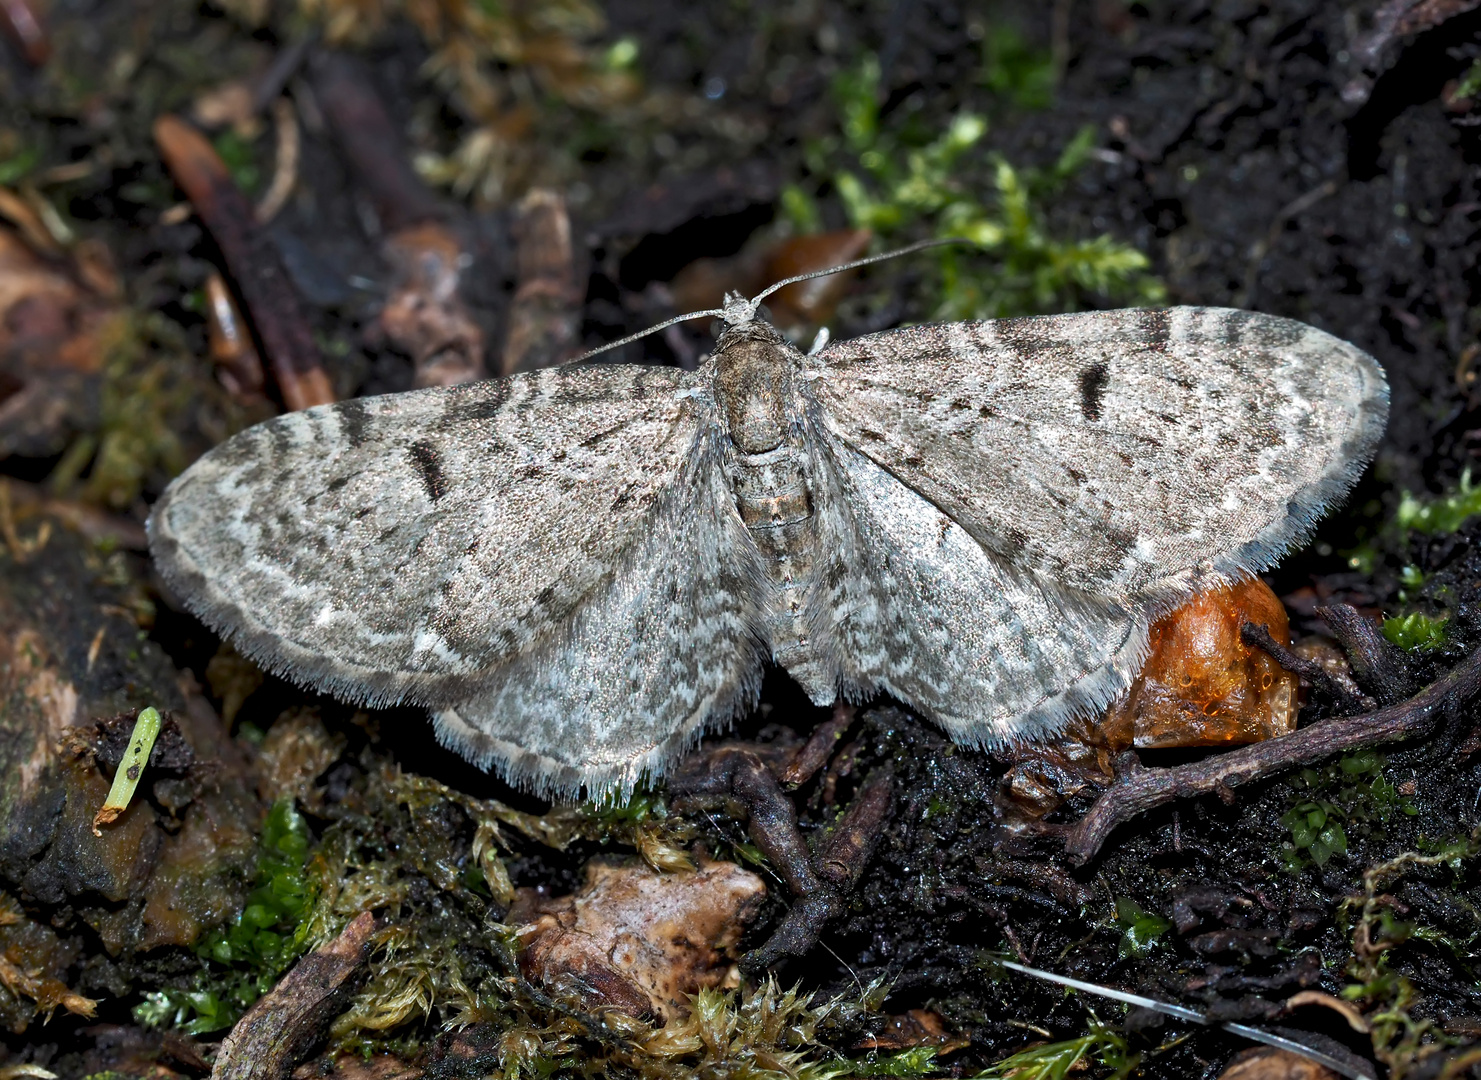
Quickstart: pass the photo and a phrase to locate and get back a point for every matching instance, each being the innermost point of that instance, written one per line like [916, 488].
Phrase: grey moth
[579, 570]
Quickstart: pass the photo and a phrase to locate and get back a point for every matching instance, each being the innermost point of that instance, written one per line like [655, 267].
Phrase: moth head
[738, 310]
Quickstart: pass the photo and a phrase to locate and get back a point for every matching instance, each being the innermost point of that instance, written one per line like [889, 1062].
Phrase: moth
[580, 570]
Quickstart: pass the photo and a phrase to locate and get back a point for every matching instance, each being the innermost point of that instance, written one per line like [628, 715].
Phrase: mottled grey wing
[1131, 455]
[672, 647]
[440, 546]
[911, 604]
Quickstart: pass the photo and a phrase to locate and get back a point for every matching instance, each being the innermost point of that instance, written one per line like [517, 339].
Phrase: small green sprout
[1057, 1060]
[130, 769]
[1415, 631]
[1140, 929]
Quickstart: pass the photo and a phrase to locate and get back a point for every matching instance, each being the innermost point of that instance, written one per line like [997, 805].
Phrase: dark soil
[1228, 153]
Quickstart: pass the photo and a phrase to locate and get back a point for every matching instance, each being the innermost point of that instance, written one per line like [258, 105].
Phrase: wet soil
[1252, 151]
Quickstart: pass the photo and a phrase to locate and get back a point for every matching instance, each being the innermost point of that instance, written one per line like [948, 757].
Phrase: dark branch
[1145, 789]
[1379, 666]
[1259, 637]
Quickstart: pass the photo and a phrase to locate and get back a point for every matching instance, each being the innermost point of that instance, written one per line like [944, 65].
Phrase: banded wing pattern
[427, 547]
[1131, 455]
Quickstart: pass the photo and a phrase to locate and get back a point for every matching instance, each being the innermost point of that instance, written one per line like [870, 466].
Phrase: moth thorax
[752, 387]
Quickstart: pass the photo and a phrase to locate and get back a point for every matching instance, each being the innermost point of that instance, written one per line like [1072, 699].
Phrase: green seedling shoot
[126, 779]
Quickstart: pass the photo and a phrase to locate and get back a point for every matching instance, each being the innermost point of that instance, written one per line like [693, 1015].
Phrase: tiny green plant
[1140, 929]
[1352, 794]
[246, 957]
[896, 179]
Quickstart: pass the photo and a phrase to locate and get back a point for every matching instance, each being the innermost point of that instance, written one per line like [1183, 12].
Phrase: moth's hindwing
[1129, 455]
[914, 606]
[672, 648]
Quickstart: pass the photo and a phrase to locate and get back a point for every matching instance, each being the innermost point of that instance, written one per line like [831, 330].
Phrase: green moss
[16, 165]
[151, 388]
[247, 956]
[240, 158]
[1058, 1060]
[1140, 929]
[1014, 70]
[917, 1061]
[1442, 515]
[1468, 85]
[897, 180]
[1415, 631]
[1403, 1039]
[1353, 793]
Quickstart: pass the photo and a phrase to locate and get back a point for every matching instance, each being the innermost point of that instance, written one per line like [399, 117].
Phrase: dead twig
[1379, 666]
[1259, 637]
[545, 315]
[270, 1039]
[285, 170]
[1145, 789]
[23, 26]
[252, 260]
[372, 142]
[814, 754]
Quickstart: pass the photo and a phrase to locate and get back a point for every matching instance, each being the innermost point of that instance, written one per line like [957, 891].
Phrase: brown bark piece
[175, 862]
[280, 1029]
[252, 260]
[425, 314]
[637, 940]
[545, 315]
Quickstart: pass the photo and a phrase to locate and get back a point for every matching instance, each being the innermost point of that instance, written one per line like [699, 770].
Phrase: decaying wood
[545, 316]
[373, 144]
[253, 262]
[425, 314]
[278, 1031]
[1143, 789]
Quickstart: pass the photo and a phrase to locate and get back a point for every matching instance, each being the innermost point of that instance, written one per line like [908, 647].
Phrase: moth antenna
[712, 313]
[738, 309]
[908, 249]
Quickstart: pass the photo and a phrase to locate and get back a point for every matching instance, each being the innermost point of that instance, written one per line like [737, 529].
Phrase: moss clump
[895, 178]
[1415, 631]
[1446, 514]
[247, 956]
[1353, 793]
